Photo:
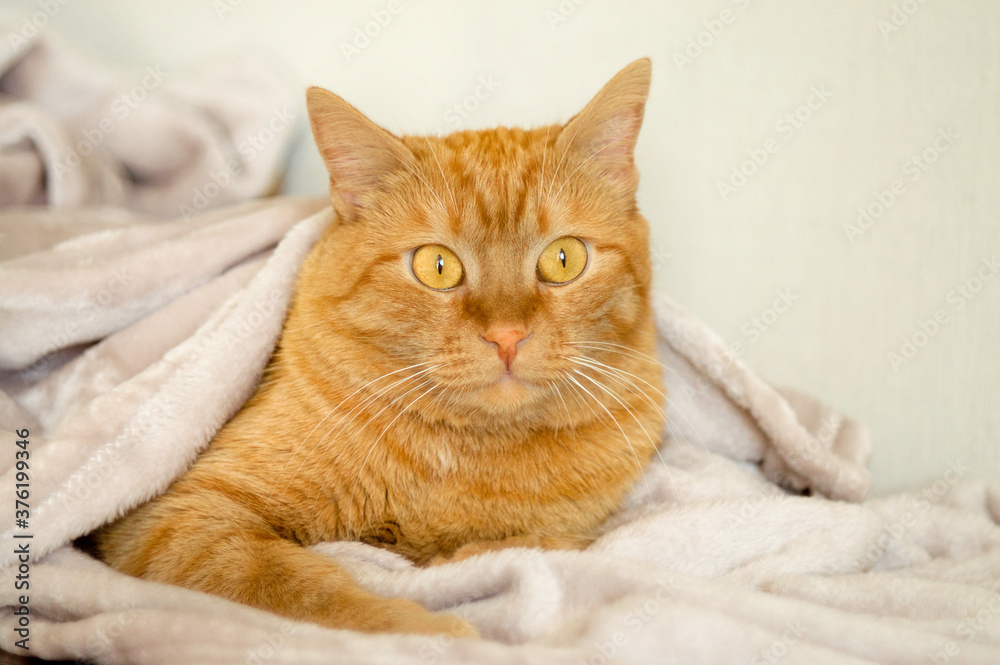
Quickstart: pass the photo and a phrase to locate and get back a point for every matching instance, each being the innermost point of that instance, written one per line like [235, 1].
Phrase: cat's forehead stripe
[493, 176]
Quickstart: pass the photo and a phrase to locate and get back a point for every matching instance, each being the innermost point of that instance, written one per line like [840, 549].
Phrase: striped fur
[384, 416]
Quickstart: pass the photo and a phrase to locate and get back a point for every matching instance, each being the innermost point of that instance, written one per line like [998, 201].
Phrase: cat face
[484, 264]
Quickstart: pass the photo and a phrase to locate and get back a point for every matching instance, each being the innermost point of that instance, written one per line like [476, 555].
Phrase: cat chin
[507, 393]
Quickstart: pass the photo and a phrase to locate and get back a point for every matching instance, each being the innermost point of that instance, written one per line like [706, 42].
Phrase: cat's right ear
[358, 153]
[606, 130]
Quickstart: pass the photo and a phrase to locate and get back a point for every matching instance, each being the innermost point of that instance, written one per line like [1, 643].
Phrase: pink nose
[507, 341]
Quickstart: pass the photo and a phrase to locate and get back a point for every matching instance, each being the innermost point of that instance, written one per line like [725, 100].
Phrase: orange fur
[385, 416]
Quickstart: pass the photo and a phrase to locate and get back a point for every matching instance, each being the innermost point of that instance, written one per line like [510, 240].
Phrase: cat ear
[358, 153]
[606, 130]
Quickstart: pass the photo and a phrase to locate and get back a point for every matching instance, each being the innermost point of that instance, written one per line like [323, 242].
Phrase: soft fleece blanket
[170, 143]
[126, 341]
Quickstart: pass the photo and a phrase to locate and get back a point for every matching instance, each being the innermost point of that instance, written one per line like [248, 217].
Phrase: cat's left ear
[606, 130]
[359, 154]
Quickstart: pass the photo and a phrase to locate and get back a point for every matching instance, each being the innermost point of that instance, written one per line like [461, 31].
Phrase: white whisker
[618, 379]
[630, 384]
[638, 464]
[638, 355]
[329, 413]
[620, 371]
[545, 150]
[444, 177]
[357, 408]
[580, 123]
[624, 406]
[569, 416]
[583, 163]
[372, 449]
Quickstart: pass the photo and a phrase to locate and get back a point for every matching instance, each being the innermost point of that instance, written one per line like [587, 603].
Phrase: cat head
[481, 264]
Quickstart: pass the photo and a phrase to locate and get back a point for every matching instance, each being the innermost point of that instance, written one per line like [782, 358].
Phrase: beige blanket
[126, 341]
[165, 142]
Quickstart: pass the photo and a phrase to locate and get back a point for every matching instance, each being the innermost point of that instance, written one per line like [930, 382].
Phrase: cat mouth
[509, 379]
[506, 394]
[510, 387]
[508, 384]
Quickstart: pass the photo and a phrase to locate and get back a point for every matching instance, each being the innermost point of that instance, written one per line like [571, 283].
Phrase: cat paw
[440, 624]
[528, 541]
[466, 551]
[403, 616]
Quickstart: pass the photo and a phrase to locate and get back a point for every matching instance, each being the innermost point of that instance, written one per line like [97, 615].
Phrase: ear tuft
[607, 129]
[358, 153]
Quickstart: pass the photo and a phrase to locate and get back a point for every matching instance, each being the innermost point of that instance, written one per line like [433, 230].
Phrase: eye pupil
[437, 267]
[562, 261]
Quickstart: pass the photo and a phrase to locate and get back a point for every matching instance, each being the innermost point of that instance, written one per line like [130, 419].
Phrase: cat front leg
[208, 542]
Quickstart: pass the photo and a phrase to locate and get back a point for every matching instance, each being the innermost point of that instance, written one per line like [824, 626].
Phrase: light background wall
[892, 73]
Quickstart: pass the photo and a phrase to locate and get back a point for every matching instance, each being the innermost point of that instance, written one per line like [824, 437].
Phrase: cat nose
[507, 341]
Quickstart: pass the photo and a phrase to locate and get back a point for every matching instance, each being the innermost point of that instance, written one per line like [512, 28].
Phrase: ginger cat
[466, 365]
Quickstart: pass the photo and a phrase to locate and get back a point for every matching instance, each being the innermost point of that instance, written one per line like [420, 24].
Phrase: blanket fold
[75, 133]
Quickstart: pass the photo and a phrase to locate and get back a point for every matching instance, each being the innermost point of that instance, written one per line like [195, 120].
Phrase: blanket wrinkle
[79, 292]
[527, 596]
[72, 500]
[74, 133]
[796, 457]
[715, 556]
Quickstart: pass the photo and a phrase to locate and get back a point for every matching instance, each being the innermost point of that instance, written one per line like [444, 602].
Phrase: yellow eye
[563, 260]
[437, 267]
